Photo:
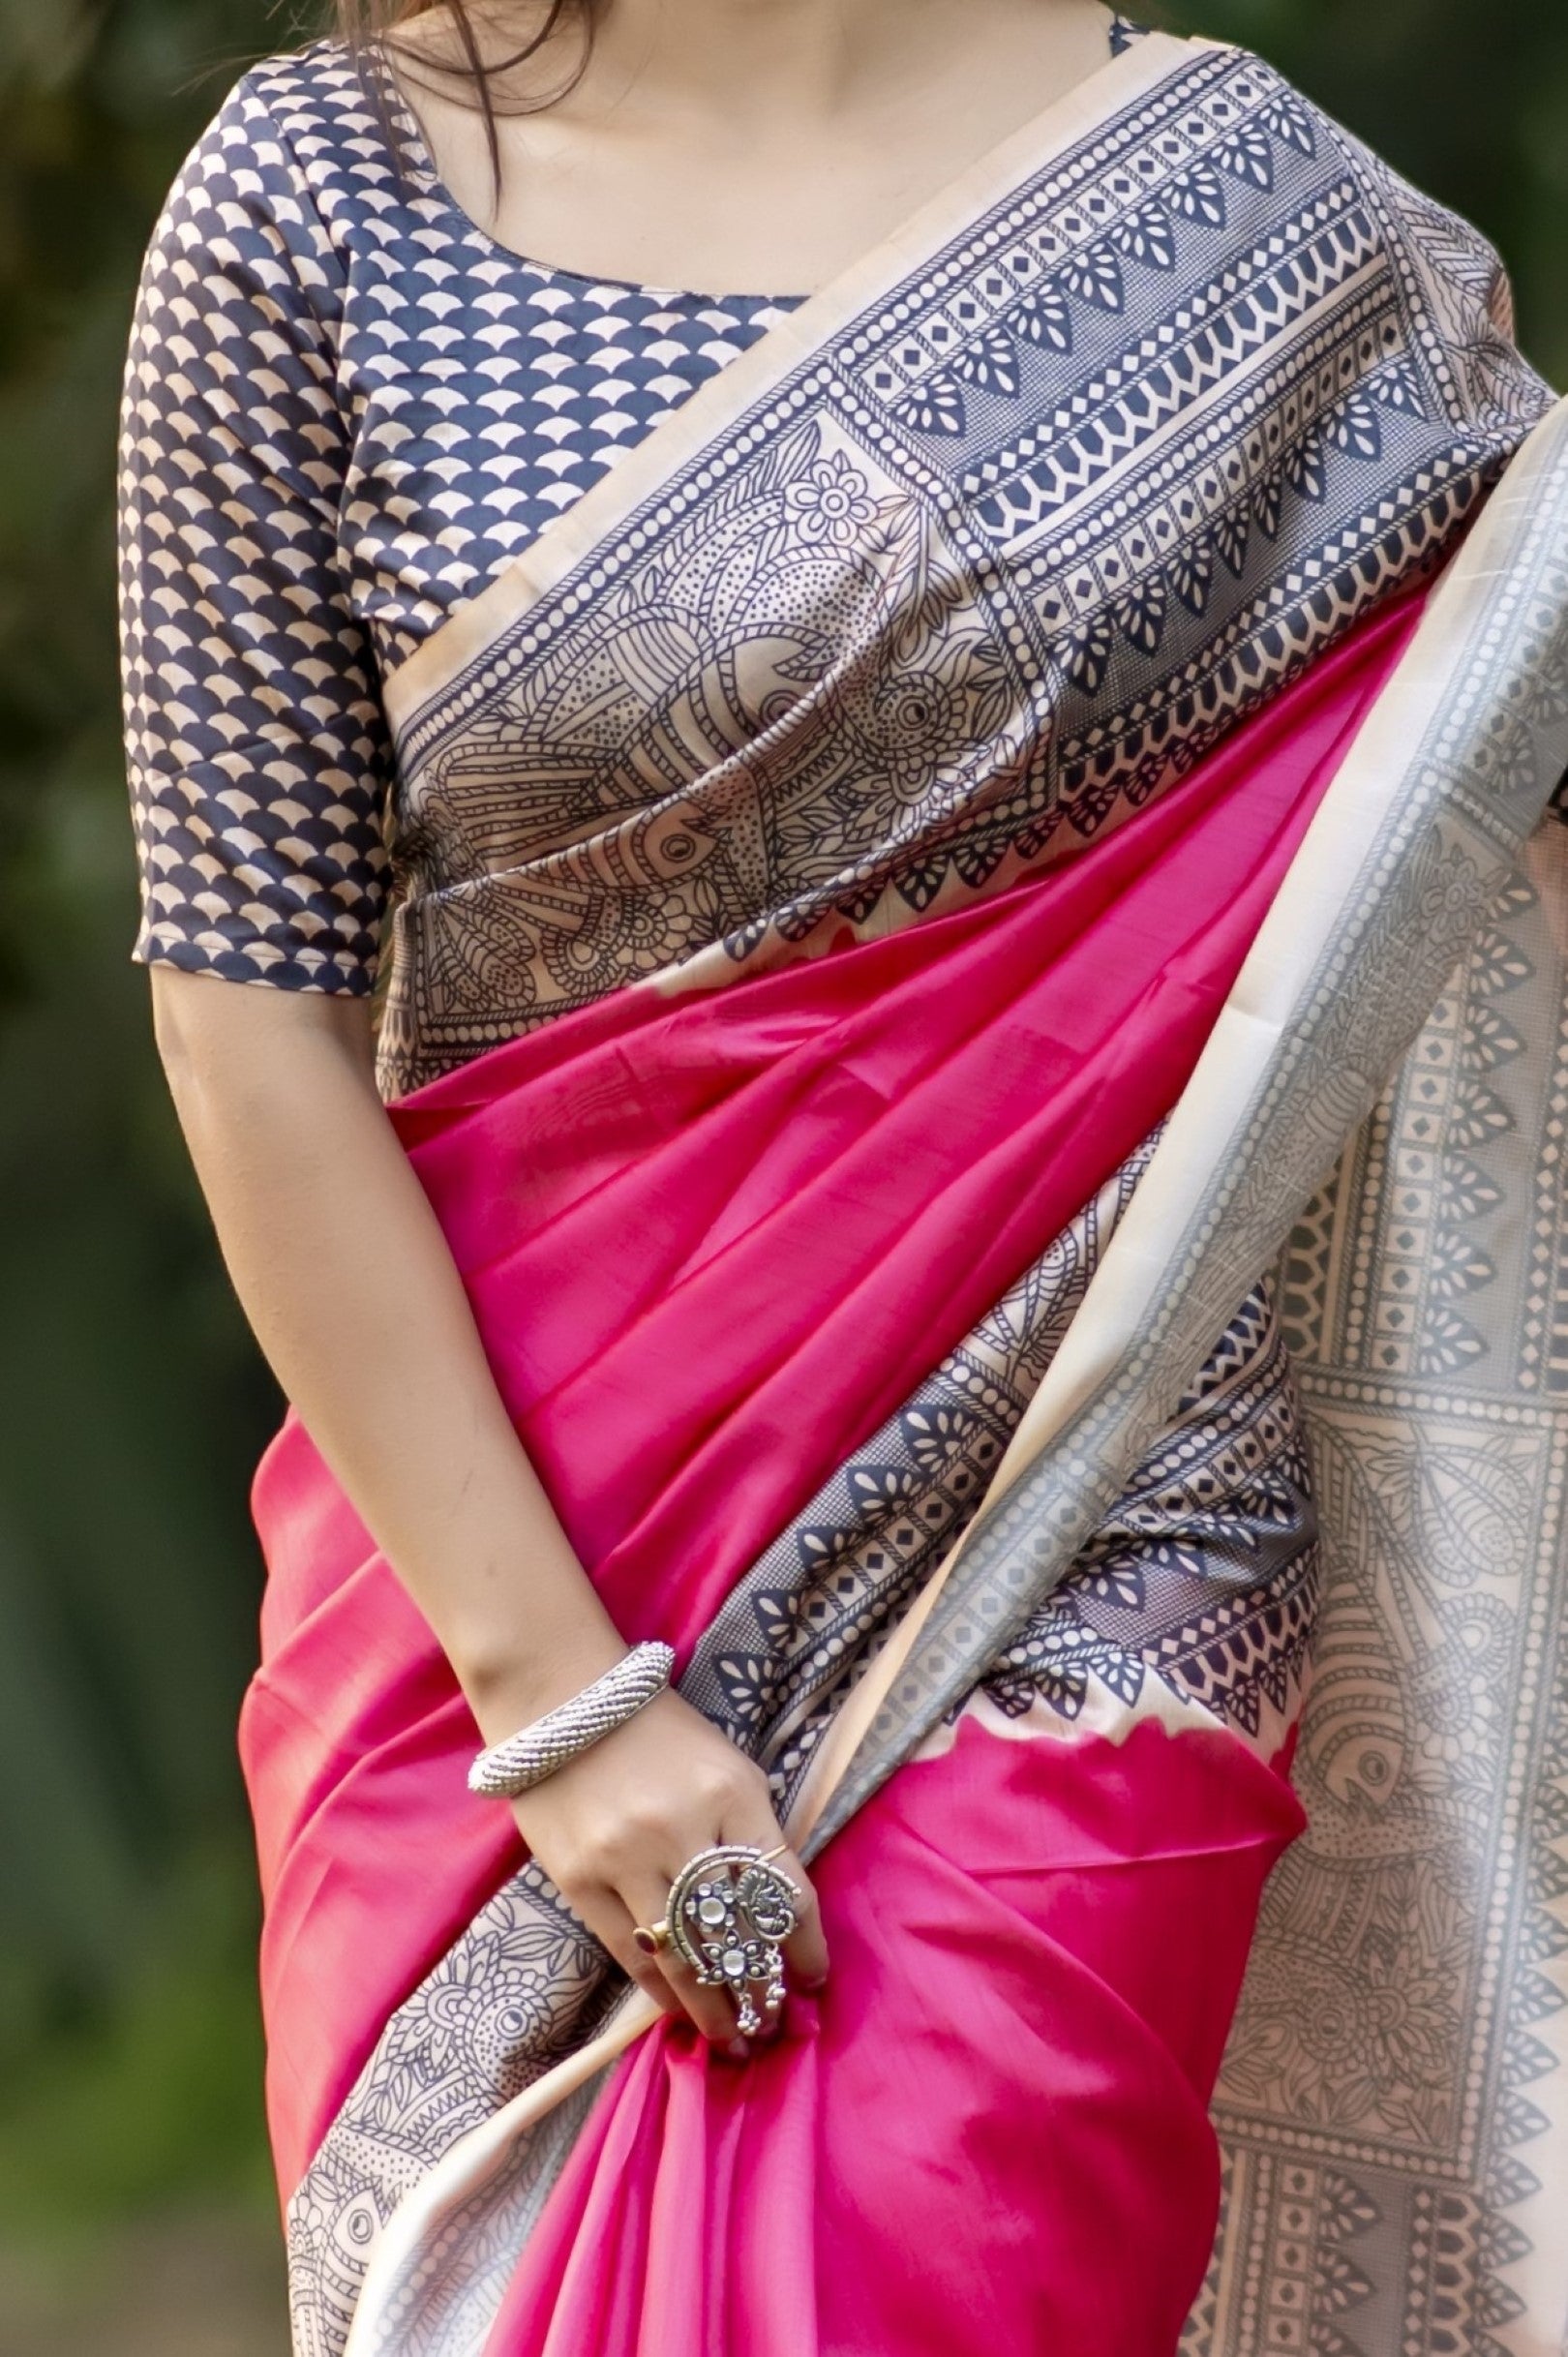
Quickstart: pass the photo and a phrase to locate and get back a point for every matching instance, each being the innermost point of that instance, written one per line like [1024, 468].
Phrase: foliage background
[133, 1405]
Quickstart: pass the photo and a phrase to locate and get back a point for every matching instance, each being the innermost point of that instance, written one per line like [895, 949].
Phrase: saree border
[799, 340]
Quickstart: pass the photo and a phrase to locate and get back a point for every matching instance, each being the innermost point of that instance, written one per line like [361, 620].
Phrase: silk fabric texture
[718, 1226]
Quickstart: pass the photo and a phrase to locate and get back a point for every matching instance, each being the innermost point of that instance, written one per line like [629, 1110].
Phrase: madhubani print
[1206, 1575]
[522, 1988]
[980, 574]
[1203, 1577]
[1394, 2099]
[1483, 735]
[1481, 740]
[1203, 1582]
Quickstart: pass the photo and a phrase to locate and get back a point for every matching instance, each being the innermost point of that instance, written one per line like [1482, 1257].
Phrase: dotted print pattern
[347, 409]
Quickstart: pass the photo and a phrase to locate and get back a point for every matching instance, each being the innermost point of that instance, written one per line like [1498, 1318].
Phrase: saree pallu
[914, 881]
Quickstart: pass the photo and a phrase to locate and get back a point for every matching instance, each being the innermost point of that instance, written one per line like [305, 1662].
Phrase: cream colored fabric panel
[1394, 2101]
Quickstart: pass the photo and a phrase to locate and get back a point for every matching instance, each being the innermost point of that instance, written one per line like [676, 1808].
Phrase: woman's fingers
[646, 1900]
[606, 1917]
[620, 1824]
[708, 2008]
[805, 1950]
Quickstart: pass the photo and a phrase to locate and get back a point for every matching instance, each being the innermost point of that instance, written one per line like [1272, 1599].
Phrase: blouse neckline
[419, 164]
[416, 157]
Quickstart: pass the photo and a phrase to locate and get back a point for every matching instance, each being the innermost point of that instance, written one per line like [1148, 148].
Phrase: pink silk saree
[924, 868]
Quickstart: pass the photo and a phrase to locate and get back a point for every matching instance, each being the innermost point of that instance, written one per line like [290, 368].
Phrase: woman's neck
[772, 62]
[743, 144]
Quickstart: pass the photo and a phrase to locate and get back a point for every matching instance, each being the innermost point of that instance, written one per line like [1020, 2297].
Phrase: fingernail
[738, 2049]
[812, 1983]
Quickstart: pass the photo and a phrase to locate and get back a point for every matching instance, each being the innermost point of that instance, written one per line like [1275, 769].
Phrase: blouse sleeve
[255, 742]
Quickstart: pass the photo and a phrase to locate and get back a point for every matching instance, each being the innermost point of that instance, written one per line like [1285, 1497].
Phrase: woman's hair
[467, 57]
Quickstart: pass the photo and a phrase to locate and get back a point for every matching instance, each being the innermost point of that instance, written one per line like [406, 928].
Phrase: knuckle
[714, 1782]
[639, 1820]
[574, 1881]
[618, 1845]
[748, 1779]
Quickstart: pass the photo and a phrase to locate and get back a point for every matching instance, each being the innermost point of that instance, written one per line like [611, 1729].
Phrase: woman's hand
[615, 1826]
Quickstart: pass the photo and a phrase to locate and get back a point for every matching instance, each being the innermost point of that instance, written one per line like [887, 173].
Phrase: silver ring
[730, 1912]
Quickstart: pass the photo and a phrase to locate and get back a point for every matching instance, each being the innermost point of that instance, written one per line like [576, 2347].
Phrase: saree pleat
[1018, 2055]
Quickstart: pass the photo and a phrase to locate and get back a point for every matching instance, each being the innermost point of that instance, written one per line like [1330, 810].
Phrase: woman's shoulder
[316, 90]
[301, 159]
[325, 96]
[1348, 208]
[305, 124]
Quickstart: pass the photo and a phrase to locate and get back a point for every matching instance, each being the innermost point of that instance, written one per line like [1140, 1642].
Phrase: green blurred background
[134, 2209]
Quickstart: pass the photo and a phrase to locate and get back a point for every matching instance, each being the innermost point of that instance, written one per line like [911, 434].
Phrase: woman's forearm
[342, 1268]
[343, 1271]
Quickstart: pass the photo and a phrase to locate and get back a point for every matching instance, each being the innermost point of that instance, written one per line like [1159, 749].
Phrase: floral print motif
[831, 501]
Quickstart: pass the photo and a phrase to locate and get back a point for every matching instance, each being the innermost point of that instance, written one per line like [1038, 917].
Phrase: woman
[823, 874]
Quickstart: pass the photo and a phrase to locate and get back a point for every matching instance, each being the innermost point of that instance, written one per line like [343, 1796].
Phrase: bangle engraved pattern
[535, 1752]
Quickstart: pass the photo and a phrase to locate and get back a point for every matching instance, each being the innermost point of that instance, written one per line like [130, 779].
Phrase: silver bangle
[527, 1758]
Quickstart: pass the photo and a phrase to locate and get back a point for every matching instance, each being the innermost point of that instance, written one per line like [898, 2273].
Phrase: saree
[910, 885]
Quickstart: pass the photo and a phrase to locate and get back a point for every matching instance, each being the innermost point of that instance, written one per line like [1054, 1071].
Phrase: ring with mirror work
[730, 1912]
